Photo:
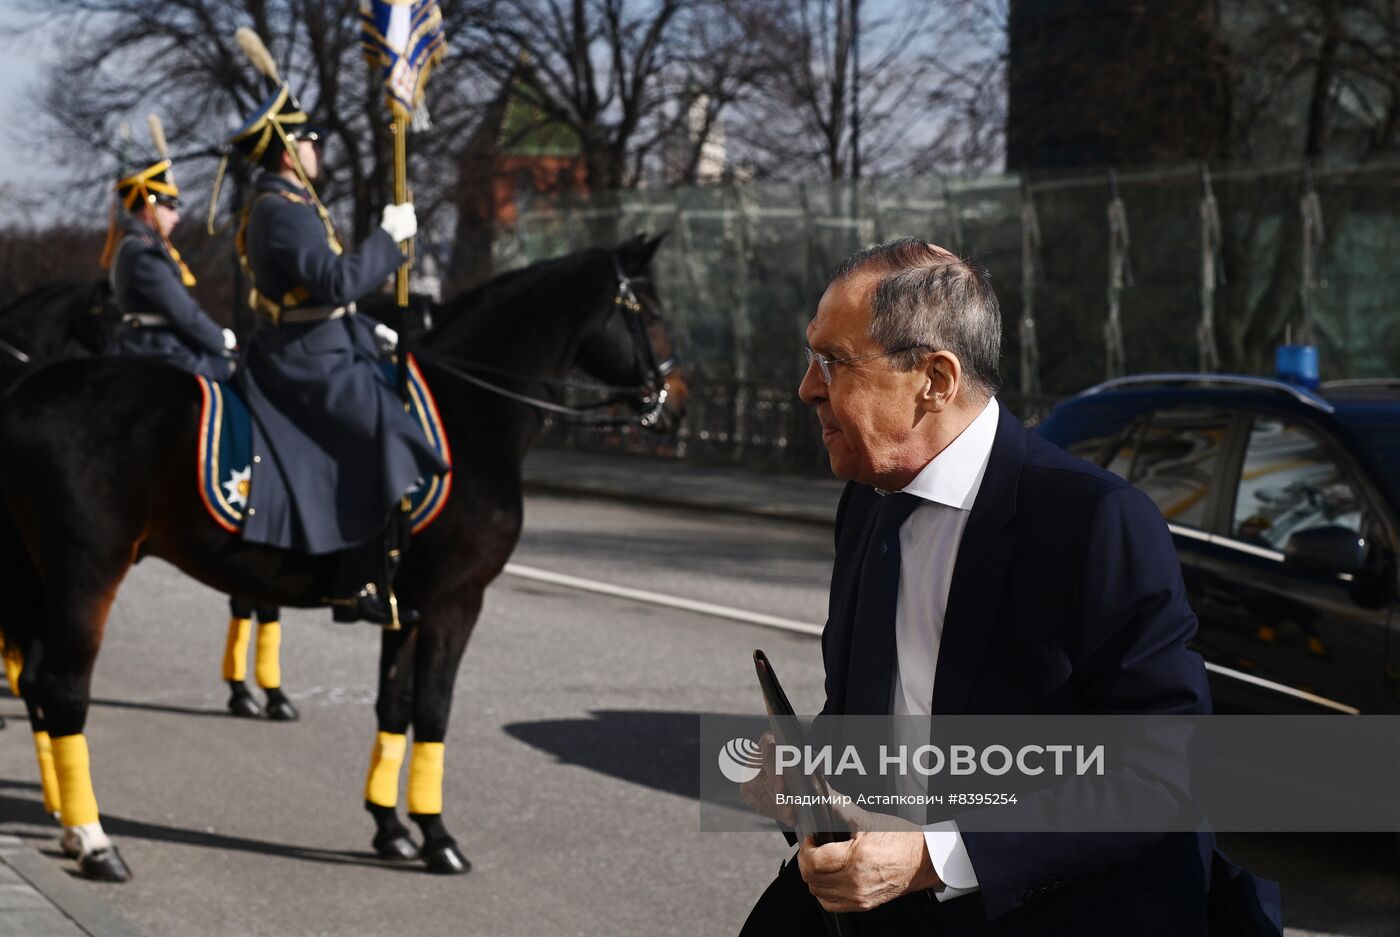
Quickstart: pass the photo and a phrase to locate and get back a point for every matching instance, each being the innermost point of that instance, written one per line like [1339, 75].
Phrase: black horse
[97, 473]
[65, 319]
[76, 318]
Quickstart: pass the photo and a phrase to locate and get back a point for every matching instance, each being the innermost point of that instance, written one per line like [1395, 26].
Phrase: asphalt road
[571, 761]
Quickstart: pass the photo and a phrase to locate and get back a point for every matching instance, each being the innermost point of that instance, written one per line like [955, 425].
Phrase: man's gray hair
[932, 300]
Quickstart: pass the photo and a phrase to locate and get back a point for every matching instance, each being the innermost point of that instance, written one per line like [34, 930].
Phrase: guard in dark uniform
[150, 283]
[334, 449]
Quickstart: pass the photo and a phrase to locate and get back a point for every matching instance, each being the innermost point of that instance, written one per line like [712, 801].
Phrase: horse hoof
[104, 865]
[282, 710]
[395, 846]
[446, 859]
[70, 844]
[242, 704]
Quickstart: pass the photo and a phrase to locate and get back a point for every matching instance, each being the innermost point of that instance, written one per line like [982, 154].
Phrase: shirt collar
[954, 476]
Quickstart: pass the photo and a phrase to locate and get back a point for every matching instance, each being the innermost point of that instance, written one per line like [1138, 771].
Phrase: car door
[1278, 639]
[1177, 454]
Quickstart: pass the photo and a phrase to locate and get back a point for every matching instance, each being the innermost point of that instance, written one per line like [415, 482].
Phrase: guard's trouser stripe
[236, 649]
[385, 762]
[269, 663]
[425, 778]
[79, 803]
[43, 753]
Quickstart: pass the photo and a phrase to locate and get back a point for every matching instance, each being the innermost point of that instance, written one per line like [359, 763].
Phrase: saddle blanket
[226, 450]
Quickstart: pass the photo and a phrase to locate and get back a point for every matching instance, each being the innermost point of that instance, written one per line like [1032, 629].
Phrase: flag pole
[399, 130]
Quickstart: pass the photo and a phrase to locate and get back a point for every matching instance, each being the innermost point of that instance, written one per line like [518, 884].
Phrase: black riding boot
[365, 587]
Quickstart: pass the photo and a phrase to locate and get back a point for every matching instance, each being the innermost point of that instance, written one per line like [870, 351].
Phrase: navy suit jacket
[1066, 598]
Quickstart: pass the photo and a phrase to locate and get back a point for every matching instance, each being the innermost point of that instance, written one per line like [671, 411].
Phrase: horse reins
[651, 396]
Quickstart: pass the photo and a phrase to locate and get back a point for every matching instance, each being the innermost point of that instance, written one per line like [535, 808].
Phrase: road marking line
[658, 598]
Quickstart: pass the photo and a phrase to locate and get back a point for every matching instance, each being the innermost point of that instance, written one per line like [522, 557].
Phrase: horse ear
[639, 251]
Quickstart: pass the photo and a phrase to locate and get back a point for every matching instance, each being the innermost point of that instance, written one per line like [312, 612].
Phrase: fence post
[1314, 237]
[1030, 262]
[1212, 274]
[1120, 274]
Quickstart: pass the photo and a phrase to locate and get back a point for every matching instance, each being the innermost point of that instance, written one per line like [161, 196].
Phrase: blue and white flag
[406, 39]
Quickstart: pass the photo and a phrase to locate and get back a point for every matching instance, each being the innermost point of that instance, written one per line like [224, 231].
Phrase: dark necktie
[870, 673]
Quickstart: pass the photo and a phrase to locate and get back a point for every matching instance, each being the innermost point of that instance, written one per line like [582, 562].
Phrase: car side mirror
[1326, 550]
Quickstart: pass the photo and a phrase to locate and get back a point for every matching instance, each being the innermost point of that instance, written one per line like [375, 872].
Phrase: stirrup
[369, 605]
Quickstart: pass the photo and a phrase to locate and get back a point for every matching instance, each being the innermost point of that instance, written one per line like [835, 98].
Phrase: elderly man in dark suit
[980, 570]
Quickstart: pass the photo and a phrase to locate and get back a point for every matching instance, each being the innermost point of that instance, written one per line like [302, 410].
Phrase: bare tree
[612, 72]
[1316, 77]
[179, 57]
[928, 81]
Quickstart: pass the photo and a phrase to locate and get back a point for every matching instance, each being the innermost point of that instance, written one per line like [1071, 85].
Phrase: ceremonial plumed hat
[148, 186]
[260, 134]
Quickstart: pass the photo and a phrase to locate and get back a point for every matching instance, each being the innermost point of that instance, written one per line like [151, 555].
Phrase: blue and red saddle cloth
[226, 472]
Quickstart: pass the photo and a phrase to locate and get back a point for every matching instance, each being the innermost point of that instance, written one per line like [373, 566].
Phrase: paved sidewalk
[39, 899]
[674, 482]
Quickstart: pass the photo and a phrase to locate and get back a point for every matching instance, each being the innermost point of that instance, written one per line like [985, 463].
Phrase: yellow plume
[252, 46]
[158, 135]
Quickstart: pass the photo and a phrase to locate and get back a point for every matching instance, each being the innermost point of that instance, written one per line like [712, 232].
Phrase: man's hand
[868, 869]
[762, 792]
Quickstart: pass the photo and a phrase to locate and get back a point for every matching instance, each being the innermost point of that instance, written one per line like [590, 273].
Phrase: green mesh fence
[743, 267]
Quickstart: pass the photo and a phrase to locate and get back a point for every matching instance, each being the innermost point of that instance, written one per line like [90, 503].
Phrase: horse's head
[632, 347]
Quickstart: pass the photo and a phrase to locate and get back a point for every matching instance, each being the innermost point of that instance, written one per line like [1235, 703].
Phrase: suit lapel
[841, 613]
[979, 575]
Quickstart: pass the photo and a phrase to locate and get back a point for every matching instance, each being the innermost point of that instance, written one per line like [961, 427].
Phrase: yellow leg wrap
[425, 778]
[79, 804]
[14, 663]
[43, 752]
[385, 762]
[236, 649]
[269, 664]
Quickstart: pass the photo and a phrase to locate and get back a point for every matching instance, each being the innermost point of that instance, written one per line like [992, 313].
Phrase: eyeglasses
[169, 201]
[824, 363]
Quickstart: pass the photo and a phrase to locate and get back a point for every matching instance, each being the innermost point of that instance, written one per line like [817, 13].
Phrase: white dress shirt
[928, 550]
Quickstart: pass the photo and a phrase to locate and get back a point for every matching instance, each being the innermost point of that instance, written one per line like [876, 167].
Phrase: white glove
[388, 339]
[400, 221]
[230, 340]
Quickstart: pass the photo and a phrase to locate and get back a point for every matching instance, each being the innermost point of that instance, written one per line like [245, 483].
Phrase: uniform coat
[145, 279]
[334, 449]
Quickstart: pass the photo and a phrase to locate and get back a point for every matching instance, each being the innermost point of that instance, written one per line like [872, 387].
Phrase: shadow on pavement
[660, 750]
[162, 708]
[28, 813]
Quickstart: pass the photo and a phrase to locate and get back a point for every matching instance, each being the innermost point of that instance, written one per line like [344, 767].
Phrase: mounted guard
[335, 452]
[150, 281]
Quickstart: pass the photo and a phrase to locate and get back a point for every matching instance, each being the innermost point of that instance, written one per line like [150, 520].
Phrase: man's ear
[944, 377]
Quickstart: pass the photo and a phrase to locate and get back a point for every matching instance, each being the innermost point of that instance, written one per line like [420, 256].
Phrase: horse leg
[438, 656]
[394, 709]
[77, 598]
[43, 746]
[240, 626]
[268, 666]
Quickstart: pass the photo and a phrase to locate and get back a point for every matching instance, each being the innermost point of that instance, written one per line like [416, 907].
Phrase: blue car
[1284, 502]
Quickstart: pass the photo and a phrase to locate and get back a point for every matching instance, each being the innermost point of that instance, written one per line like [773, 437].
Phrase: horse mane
[466, 311]
[47, 291]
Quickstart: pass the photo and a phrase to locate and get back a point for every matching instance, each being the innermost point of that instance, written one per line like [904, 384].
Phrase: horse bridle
[650, 397]
[14, 352]
[652, 401]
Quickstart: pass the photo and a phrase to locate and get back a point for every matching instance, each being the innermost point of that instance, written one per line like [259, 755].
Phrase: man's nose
[812, 388]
